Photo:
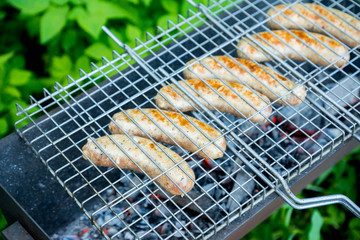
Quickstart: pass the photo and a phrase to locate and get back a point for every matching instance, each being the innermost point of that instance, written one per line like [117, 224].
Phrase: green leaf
[132, 32]
[2, 15]
[291, 236]
[3, 130]
[77, 2]
[59, 2]
[316, 224]
[60, 66]
[146, 2]
[133, 1]
[5, 57]
[3, 222]
[288, 216]
[170, 6]
[185, 6]
[74, 12]
[33, 26]
[97, 50]
[18, 61]
[108, 9]
[2, 107]
[90, 23]
[19, 77]
[205, 2]
[354, 226]
[119, 34]
[52, 22]
[335, 217]
[163, 20]
[30, 7]
[46, 82]
[12, 91]
[83, 62]
[13, 112]
[69, 39]
[314, 188]
[34, 86]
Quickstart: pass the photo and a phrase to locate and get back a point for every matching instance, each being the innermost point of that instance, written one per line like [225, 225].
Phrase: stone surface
[16, 231]
[26, 178]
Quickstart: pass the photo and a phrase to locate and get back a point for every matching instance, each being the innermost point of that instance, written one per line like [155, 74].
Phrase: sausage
[269, 82]
[95, 154]
[259, 108]
[283, 43]
[169, 129]
[316, 18]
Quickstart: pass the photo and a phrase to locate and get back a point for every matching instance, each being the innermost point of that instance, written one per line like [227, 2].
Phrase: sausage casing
[297, 45]
[257, 107]
[166, 128]
[93, 152]
[316, 18]
[269, 82]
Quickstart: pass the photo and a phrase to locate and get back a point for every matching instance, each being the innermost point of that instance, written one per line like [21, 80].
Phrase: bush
[46, 40]
[330, 222]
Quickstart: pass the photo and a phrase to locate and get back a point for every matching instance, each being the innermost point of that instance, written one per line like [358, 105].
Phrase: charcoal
[141, 225]
[178, 234]
[112, 231]
[100, 220]
[69, 237]
[239, 194]
[162, 211]
[149, 236]
[164, 229]
[110, 191]
[208, 187]
[116, 222]
[128, 236]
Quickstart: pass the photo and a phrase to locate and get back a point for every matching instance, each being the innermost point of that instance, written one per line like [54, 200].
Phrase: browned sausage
[316, 18]
[290, 43]
[159, 158]
[269, 82]
[169, 129]
[257, 108]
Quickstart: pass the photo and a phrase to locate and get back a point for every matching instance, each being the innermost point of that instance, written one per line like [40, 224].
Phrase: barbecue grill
[261, 159]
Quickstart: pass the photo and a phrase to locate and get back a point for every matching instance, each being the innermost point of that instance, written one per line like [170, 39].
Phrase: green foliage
[30, 7]
[3, 223]
[46, 40]
[330, 222]
[52, 22]
[315, 227]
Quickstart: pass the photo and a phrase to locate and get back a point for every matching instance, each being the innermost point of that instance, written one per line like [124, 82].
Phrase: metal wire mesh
[293, 139]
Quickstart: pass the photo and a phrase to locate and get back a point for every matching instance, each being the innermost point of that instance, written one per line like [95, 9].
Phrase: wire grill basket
[259, 160]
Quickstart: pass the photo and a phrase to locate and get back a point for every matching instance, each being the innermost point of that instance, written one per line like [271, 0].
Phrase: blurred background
[43, 41]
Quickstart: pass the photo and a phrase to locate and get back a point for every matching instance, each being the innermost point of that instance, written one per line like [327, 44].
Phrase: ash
[80, 229]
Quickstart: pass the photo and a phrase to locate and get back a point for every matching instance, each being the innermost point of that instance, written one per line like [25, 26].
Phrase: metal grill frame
[111, 72]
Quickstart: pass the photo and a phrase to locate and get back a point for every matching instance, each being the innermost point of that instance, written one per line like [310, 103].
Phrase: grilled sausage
[283, 43]
[319, 19]
[166, 128]
[214, 98]
[176, 174]
[268, 82]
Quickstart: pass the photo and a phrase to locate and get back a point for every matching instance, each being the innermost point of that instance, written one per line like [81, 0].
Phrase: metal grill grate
[258, 157]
